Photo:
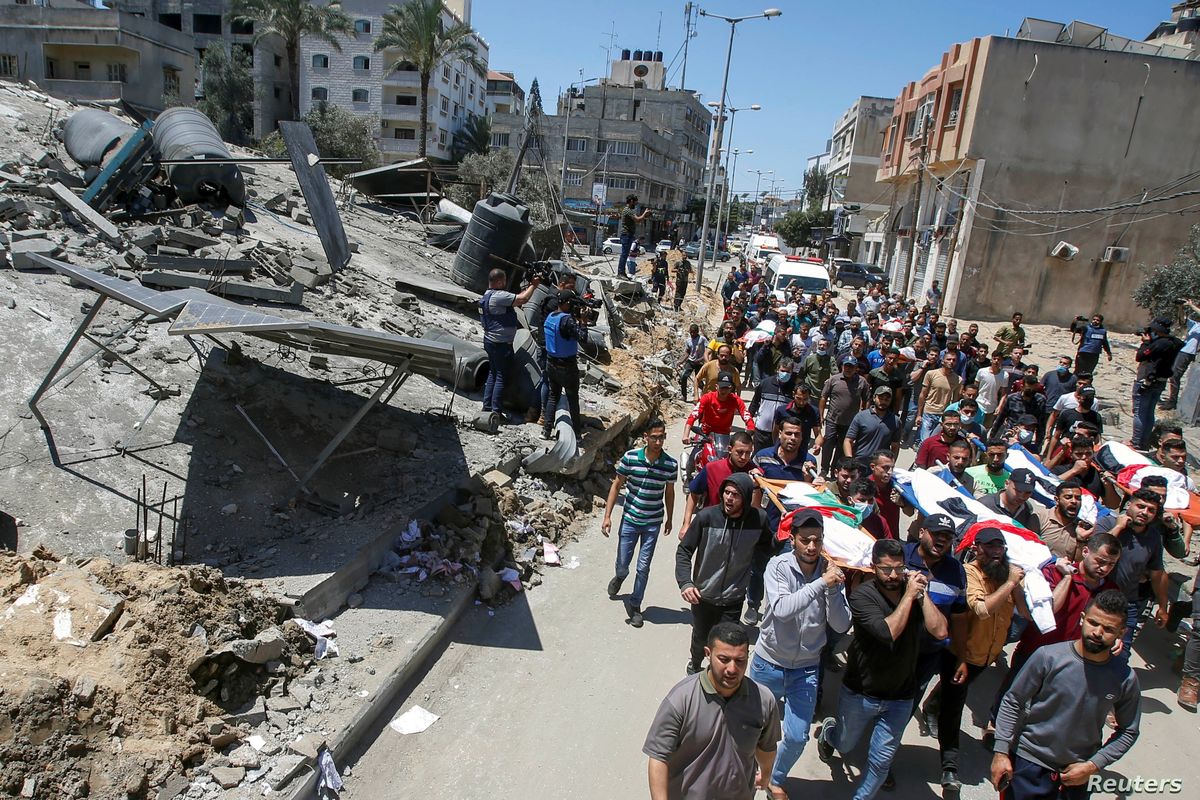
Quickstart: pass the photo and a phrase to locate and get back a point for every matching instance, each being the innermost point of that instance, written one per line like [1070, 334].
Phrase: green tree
[417, 33]
[490, 171]
[475, 136]
[228, 90]
[291, 21]
[338, 133]
[535, 98]
[816, 186]
[796, 228]
[1167, 284]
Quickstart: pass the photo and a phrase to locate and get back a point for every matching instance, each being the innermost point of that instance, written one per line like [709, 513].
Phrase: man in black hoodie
[724, 538]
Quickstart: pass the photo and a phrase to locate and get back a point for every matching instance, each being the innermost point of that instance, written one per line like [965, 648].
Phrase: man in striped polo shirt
[650, 474]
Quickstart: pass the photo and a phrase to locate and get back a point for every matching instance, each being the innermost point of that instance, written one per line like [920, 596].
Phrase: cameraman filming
[499, 317]
[563, 333]
[563, 281]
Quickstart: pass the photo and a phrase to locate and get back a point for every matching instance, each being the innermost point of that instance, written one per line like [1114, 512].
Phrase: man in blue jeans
[649, 474]
[629, 221]
[499, 318]
[805, 592]
[890, 615]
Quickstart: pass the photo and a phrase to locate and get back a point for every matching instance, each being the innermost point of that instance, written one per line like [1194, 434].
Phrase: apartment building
[380, 86]
[1010, 131]
[1181, 30]
[80, 53]
[504, 94]
[854, 195]
[206, 23]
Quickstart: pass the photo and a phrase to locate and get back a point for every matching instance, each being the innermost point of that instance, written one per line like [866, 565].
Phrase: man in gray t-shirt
[497, 309]
[1050, 723]
[715, 728]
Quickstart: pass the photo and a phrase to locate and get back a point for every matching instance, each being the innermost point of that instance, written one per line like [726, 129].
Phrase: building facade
[854, 195]
[379, 86]
[1009, 137]
[81, 53]
[206, 23]
[1181, 30]
[504, 94]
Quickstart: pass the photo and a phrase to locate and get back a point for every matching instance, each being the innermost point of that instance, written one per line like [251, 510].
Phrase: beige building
[1181, 30]
[504, 94]
[361, 80]
[854, 194]
[81, 53]
[1012, 137]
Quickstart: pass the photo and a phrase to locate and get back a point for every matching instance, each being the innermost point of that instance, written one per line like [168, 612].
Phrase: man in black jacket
[722, 539]
[1156, 361]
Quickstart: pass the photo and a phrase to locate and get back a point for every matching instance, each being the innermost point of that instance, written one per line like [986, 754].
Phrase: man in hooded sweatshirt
[715, 556]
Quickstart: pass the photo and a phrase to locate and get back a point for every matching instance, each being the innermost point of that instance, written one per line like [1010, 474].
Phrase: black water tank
[499, 226]
[625, 54]
[658, 55]
[637, 55]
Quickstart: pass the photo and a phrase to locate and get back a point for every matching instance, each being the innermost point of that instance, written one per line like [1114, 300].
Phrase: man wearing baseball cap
[874, 428]
[843, 396]
[805, 594]
[1013, 501]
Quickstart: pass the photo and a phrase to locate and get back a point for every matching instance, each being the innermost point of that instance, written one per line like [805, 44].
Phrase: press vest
[557, 345]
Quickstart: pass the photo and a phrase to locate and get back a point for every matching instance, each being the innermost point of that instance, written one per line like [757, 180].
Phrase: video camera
[584, 309]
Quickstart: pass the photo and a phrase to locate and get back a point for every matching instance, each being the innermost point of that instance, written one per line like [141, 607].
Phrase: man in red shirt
[1072, 588]
[936, 449]
[705, 489]
[882, 464]
[714, 411]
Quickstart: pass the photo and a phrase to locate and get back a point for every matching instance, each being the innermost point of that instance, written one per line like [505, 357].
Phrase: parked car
[664, 246]
[857, 276]
[612, 246]
[693, 251]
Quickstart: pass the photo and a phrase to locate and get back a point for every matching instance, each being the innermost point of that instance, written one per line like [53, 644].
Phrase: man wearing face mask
[994, 592]
[1014, 501]
[1060, 381]
[1029, 401]
[805, 596]
[862, 498]
[771, 396]
[1156, 361]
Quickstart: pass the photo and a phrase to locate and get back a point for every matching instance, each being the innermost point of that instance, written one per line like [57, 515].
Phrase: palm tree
[475, 136]
[292, 20]
[416, 32]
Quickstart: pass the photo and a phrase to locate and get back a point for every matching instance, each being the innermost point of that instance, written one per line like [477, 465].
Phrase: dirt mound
[112, 675]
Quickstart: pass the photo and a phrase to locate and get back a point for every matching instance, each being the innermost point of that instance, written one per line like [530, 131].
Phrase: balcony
[401, 113]
[389, 145]
[83, 90]
[402, 78]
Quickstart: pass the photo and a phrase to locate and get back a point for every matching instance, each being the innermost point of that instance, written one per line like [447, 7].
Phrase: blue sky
[805, 67]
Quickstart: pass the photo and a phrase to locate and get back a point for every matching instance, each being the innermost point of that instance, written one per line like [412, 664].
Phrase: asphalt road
[553, 694]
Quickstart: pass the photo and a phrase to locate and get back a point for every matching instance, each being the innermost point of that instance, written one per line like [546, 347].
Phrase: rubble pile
[118, 678]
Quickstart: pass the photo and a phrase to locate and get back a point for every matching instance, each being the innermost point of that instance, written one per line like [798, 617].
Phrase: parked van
[785, 273]
[761, 249]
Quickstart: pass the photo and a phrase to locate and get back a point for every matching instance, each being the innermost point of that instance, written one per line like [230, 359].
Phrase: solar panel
[201, 316]
[150, 301]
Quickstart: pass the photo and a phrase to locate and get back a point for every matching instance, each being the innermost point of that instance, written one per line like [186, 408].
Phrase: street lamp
[729, 189]
[729, 143]
[562, 179]
[716, 160]
[758, 184]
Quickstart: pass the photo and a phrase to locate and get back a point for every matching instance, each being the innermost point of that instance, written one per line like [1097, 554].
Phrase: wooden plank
[86, 213]
[195, 264]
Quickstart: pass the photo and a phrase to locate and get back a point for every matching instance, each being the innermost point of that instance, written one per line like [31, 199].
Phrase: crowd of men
[840, 388]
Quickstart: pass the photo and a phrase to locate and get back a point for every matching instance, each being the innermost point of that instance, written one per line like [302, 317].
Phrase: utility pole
[912, 256]
[687, 37]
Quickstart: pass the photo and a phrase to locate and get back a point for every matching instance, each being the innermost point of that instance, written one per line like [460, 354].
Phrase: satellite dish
[641, 70]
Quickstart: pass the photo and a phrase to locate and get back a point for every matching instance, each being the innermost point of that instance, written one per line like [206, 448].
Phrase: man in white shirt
[992, 382]
[1185, 357]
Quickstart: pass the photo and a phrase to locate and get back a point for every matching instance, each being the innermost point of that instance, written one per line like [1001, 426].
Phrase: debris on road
[415, 720]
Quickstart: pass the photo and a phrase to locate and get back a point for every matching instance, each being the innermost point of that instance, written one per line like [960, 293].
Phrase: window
[206, 23]
[241, 28]
[471, 89]
[276, 92]
[446, 71]
[576, 145]
[404, 133]
[500, 139]
[51, 68]
[116, 73]
[171, 21]
[955, 104]
[457, 110]
[622, 183]
[320, 61]
[170, 81]
[445, 105]
[620, 148]
[362, 26]
[924, 111]
[279, 61]
[248, 49]
[360, 96]
[574, 178]
[320, 93]
[8, 66]
[406, 99]
[457, 79]
[83, 71]
[441, 137]
[362, 62]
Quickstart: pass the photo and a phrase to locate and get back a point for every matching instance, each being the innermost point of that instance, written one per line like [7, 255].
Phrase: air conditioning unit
[1064, 250]
[1116, 255]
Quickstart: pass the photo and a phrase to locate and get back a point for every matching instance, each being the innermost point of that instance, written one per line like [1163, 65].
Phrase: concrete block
[307, 278]
[21, 236]
[253, 714]
[498, 479]
[85, 212]
[21, 252]
[144, 235]
[267, 646]
[168, 250]
[293, 295]
[285, 769]
[284, 705]
[227, 777]
[189, 239]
